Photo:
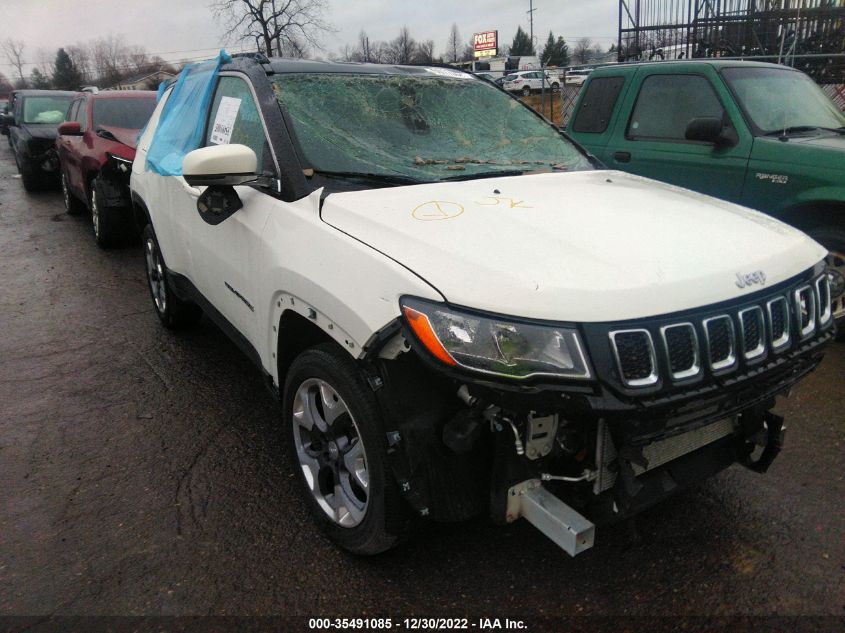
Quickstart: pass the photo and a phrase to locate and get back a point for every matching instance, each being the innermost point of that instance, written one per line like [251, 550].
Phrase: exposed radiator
[657, 453]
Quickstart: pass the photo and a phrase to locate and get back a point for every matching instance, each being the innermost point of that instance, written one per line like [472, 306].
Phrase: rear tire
[173, 312]
[336, 441]
[833, 239]
[526, 91]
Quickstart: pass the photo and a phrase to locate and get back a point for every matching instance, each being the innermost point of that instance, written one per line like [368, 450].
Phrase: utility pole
[531, 11]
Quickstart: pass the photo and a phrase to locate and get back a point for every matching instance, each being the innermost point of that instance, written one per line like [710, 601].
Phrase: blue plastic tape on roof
[182, 122]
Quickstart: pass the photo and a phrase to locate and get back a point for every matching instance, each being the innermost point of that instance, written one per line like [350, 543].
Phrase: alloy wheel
[65, 193]
[155, 275]
[836, 267]
[95, 213]
[331, 452]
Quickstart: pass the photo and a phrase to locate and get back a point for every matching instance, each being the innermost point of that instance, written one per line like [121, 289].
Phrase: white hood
[584, 246]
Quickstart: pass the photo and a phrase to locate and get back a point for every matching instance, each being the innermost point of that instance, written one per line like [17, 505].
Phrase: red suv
[96, 147]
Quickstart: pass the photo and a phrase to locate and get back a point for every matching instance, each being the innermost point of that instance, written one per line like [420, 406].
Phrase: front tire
[173, 312]
[833, 239]
[73, 205]
[336, 441]
[104, 223]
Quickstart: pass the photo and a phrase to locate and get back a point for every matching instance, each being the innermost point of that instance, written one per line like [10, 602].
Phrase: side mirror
[219, 168]
[710, 130]
[70, 128]
[220, 165]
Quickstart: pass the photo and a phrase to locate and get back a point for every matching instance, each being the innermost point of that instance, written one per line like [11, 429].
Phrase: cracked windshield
[424, 128]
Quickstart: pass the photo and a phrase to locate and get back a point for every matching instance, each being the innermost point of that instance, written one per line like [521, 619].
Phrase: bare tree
[276, 26]
[454, 46]
[402, 49]
[13, 51]
[109, 56]
[583, 50]
[45, 59]
[137, 59]
[80, 55]
[365, 51]
[424, 53]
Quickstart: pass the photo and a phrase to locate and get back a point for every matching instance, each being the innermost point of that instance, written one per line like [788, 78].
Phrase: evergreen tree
[555, 52]
[38, 81]
[522, 44]
[548, 50]
[66, 75]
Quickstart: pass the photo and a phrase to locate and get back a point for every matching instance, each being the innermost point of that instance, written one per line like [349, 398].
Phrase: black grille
[732, 337]
[778, 309]
[720, 339]
[804, 307]
[681, 347]
[751, 333]
[634, 352]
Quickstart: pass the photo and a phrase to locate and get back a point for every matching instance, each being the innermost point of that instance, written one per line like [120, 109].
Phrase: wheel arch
[811, 214]
[140, 212]
[294, 334]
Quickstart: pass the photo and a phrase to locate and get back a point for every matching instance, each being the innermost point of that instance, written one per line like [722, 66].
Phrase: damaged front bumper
[569, 455]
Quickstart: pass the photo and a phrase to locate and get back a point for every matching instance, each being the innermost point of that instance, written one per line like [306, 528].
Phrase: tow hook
[771, 438]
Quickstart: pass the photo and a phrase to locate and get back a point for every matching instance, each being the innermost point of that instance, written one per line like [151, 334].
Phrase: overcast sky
[180, 29]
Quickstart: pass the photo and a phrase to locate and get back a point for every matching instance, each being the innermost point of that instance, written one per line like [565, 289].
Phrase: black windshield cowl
[799, 129]
[389, 179]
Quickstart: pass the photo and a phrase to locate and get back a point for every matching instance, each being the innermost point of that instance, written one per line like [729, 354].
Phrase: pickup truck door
[650, 141]
[224, 257]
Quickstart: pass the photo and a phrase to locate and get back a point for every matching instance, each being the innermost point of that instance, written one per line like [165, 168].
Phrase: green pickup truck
[761, 135]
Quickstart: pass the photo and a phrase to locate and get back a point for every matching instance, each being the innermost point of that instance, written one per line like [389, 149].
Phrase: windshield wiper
[106, 134]
[805, 128]
[485, 174]
[396, 179]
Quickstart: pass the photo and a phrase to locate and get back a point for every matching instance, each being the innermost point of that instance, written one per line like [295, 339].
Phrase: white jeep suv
[466, 314]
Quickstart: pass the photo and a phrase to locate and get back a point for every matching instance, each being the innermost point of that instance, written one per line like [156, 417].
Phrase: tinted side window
[667, 103]
[235, 118]
[80, 115]
[71, 115]
[597, 105]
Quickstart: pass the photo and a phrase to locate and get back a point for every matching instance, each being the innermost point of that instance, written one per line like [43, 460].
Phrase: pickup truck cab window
[240, 122]
[598, 104]
[667, 103]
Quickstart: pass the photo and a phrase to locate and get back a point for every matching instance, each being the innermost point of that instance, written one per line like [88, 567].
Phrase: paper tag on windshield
[227, 112]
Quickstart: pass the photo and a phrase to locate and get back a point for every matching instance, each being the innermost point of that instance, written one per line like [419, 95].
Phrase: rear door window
[597, 105]
[667, 103]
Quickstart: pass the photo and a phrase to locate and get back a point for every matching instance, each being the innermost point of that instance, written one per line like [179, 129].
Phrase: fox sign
[486, 44]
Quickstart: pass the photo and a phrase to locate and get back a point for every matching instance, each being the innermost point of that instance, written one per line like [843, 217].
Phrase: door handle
[622, 157]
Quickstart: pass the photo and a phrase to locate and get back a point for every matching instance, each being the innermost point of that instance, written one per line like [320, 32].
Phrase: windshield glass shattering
[426, 127]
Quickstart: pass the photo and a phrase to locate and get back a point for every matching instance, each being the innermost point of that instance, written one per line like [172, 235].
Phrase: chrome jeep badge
[744, 280]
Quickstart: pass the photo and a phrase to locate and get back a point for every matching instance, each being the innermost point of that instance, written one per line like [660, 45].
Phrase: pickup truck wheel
[173, 312]
[526, 91]
[73, 206]
[833, 239]
[103, 220]
[337, 443]
[555, 86]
